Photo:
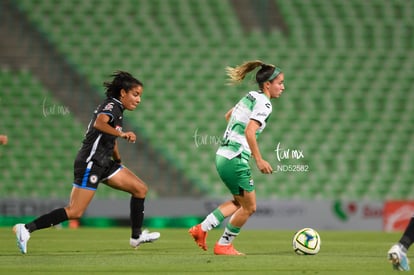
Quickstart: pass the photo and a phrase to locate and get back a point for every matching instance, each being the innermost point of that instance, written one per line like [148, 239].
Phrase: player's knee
[140, 191]
[250, 210]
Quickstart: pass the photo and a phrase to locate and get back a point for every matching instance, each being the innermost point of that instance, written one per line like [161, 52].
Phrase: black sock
[52, 218]
[408, 236]
[136, 216]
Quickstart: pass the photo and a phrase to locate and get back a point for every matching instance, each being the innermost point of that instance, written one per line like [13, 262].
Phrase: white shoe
[398, 258]
[22, 237]
[145, 237]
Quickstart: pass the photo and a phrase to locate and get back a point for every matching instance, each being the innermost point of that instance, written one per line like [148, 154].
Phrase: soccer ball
[306, 242]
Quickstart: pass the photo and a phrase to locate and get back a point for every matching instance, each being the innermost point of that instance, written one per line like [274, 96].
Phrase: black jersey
[98, 146]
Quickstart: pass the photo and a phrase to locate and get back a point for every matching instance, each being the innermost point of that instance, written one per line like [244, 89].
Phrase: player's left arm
[101, 124]
[260, 113]
[250, 134]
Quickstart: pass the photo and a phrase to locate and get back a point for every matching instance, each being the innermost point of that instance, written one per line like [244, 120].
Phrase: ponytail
[237, 74]
[267, 72]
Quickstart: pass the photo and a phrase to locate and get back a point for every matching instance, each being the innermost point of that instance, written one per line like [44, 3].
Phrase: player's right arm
[228, 114]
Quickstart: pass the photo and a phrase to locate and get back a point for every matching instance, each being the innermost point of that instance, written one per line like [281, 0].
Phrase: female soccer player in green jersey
[246, 120]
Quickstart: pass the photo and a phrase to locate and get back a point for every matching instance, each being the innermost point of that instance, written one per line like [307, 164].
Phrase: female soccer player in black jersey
[99, 160]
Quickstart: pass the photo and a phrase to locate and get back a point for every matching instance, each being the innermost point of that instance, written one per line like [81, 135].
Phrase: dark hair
[121, 80]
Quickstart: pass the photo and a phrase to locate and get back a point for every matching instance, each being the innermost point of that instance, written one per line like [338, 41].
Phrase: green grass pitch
[107, 251]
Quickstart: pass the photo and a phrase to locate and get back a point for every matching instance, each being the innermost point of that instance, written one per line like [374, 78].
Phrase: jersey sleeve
[108, 108]
[261, 111]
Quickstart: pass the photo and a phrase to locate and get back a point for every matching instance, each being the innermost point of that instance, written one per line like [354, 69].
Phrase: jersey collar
[119, 102]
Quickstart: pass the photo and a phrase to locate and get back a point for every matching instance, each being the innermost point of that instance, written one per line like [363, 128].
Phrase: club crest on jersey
[108, 107]
[118, 128]
[93, 179]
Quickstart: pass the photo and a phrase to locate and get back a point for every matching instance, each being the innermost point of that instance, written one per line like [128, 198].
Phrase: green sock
[230, 232]
[212, 220]
[217, 213]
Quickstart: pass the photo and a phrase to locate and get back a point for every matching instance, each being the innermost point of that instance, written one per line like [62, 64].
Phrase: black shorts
[89, 175]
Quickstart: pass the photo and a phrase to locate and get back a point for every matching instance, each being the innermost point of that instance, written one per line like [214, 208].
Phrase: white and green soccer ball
[306, 242]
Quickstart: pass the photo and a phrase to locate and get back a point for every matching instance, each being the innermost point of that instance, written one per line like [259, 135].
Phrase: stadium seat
[347, 100]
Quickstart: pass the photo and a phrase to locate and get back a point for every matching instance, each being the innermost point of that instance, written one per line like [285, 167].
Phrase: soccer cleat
[145, 237]
[226, 250]
[398, 258]
[199, 236]
[22, 237]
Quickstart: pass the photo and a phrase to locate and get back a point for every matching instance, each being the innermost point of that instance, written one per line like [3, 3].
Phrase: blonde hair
[238, 73]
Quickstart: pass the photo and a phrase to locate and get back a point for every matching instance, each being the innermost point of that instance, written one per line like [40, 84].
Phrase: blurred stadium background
[347, 106]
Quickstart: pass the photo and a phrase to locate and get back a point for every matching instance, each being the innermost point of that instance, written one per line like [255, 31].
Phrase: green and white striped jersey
[255, 105]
